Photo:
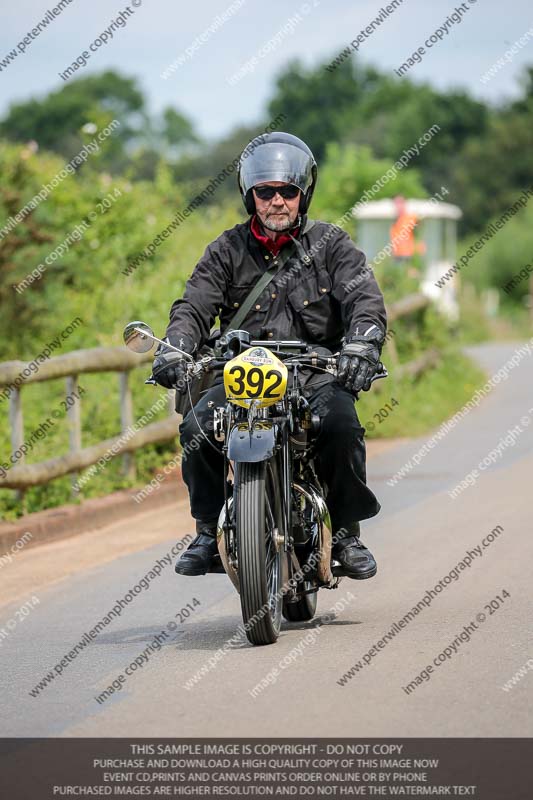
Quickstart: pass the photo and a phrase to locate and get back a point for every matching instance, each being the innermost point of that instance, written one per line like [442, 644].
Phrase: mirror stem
[171, 346]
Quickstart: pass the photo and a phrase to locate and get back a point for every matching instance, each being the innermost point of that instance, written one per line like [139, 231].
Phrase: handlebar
[309, 359]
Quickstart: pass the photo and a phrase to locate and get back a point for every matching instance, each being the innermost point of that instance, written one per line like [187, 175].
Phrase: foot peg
[216, 565]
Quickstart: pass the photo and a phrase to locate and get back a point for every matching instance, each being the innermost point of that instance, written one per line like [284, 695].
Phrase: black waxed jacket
[323, 293]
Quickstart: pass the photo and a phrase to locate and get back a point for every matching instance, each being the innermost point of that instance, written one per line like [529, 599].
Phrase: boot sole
[340, 572]
[190, 571]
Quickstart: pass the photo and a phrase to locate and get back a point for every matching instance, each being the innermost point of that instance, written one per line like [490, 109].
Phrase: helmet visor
[275, 161]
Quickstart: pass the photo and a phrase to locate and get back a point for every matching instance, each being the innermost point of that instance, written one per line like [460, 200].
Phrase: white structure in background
[437, 228]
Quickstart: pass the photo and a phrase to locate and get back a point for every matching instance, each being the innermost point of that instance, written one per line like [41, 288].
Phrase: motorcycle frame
[280, 416]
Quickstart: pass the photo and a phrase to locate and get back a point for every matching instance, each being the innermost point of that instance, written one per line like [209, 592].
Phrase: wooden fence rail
[407, 305]
[121, 360]
[70, 366]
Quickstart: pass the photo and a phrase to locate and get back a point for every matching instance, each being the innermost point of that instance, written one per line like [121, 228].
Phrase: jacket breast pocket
[237, 294]
[312, 301]
[254, 320]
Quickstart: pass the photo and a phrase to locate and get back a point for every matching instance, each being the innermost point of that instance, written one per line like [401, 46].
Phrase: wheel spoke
[272, 554]
[271, 561]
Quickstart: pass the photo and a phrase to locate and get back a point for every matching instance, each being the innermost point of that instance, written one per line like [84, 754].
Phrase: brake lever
[381, 374]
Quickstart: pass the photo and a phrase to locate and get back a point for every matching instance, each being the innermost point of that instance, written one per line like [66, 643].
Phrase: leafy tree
[524, 104]
[504, 261]
[168, 139]
[178, 129]
[491, 171]
[453, 119]
[321, 106]
[55, 121]
[194, 171]
[348, 172]
[357, 105]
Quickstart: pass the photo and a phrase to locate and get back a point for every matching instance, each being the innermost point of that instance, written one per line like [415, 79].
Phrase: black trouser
[340, 458]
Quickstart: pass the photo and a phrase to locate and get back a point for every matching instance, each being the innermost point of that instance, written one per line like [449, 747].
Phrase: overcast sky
[158, 31]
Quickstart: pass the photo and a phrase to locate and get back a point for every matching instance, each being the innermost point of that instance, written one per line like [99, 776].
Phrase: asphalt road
[420, 536]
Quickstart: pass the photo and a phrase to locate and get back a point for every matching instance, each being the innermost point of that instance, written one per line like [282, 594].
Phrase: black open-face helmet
[277, 156]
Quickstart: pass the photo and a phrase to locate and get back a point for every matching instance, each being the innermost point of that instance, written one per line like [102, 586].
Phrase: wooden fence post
[126, 419]
[74, 426]
[172, 402]
[16, 421]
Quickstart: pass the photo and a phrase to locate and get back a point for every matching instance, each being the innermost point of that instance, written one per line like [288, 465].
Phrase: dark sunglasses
[288, 192]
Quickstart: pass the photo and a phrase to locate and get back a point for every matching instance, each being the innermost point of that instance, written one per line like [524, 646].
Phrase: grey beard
[279, 226]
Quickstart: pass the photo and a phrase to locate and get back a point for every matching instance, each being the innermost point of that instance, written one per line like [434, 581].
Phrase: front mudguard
[251, 446]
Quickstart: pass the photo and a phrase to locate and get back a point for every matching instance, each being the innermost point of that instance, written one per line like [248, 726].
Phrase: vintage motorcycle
[274, 533]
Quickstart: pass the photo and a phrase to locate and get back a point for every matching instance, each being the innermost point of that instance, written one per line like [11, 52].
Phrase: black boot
[355, 559]
[197, 557]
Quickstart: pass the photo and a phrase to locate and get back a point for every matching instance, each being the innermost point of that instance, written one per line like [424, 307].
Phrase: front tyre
[258, 522]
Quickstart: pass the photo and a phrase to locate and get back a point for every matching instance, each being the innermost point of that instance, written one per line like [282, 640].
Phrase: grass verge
[421, 403]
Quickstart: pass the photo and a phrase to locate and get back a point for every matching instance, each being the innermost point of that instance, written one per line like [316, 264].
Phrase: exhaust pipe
[221, 544]
[323, 530]
[322, 524]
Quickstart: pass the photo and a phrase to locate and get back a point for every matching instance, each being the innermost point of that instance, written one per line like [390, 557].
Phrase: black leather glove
[359, 359]
[169, 368]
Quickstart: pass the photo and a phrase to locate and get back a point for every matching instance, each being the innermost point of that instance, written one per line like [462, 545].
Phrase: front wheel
[259, 527]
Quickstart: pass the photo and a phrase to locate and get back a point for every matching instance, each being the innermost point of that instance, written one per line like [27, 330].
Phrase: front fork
[222, 423]
[224, 420]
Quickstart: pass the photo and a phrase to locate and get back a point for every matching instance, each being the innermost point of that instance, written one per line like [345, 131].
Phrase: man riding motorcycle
[320, 294]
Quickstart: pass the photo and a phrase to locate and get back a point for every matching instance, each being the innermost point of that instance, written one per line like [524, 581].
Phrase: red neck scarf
[273, 246]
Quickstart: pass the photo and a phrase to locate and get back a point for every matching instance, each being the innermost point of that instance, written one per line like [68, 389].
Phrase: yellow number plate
[257, 375]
